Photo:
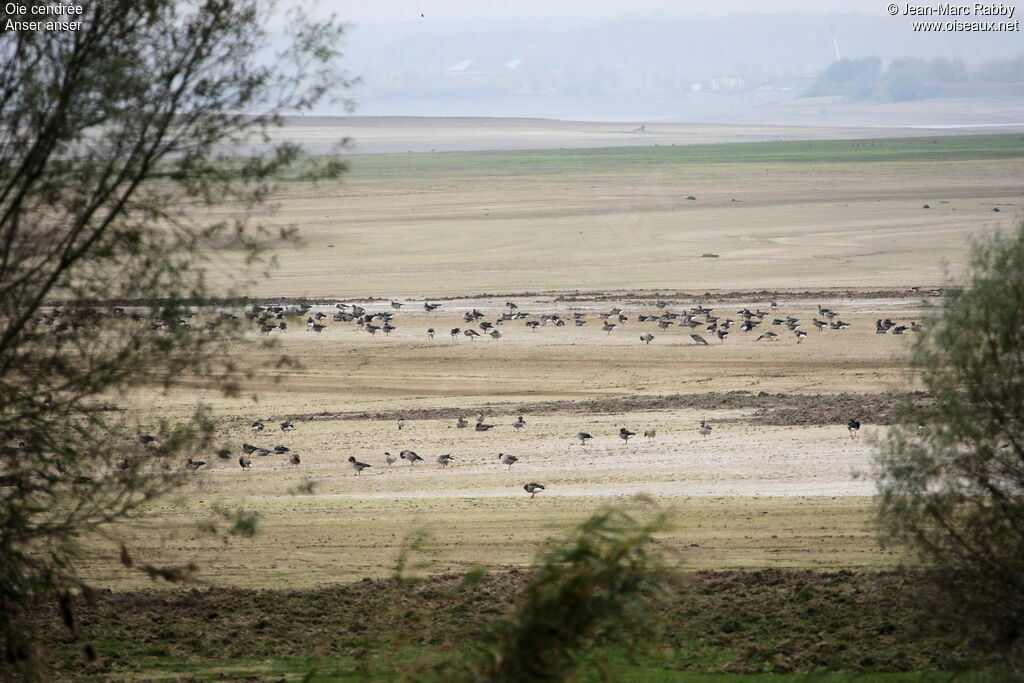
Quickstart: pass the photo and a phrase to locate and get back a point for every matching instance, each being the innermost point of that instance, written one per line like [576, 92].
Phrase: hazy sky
[362, 11]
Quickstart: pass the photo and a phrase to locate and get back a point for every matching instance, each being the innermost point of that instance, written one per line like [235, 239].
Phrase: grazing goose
[193, 465]
[410, 456]
[507, 459]
[583, 437]
[461, 422]
[495, 334]
[257, 426]
[854, 426]
[481, 427]
[245, 461]
[520, 423]
[647, 337]
[445, 460]
[624, 434]
[287, 426]
[699, 339]
[650, 433]
[294, 458]
[249, 449]
[704, 429]
[472, 334]
[608, 327]
[455, 331]
[358, 466]
[800, 334]
[389, 459]
[533, 488]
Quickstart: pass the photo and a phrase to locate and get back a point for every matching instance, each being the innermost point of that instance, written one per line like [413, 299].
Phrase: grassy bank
[713, 626]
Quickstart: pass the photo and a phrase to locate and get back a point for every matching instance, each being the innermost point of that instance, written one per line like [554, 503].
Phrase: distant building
[727, 82]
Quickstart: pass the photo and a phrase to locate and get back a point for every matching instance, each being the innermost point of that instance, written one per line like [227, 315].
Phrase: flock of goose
[694, 319]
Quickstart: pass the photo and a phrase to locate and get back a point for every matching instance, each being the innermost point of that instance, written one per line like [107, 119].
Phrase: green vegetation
[952, 474]
[617, 159]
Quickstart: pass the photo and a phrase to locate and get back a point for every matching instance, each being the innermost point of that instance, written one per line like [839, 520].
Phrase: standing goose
[520, 423]
[624, 434]
[257, 426]
[445, 460]
[533, 488]
[193, 465]
[401, 422]
[294, 458]
[647, 337]
[854, 426]
[507, 459]
[358, 466]
[287, 426]
[704, 429]
[699, 339]
[584, 437]
[430, 332]
[245, 461]
[410, 456]
[389, 459]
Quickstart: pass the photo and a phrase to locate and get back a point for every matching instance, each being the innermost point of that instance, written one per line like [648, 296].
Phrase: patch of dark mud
[769, 409]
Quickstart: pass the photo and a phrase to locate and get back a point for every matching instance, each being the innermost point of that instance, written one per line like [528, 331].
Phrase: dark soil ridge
[773, 620]
[769, 409]
[639, 296]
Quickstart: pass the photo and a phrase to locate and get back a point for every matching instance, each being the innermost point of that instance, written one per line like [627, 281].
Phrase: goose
[358, 466]
[245, 461]
[281, 449]
[854, 426]
[257, 426]
[533, 488]
[507, 459]
[770, 336]
[410, 456]
[249, 449]
[428, 307]
[624, 434]
[800, 334]
[481, 427]
[396, 305]
[721, 334]
[287, 426]
[262, 452]
[532, 324]
[580, 323]
[455, 332]
[583, 437]
[650, 433]
[430, 332]
[193, 465]
[461, 422]
[699, 339]
[389, 459]
[519, 423]
[495, 334]
[608, 327]
[294, 458]
[401, 422]
[479, 417]
[665, 324]
[318, 328]
[472, 334]
[445, 460]
[147, 438]
[647, 337]
[704, 429]
[122, 464]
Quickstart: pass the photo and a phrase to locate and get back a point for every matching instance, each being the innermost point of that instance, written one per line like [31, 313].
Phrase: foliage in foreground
[116, 140]
[951, 474]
